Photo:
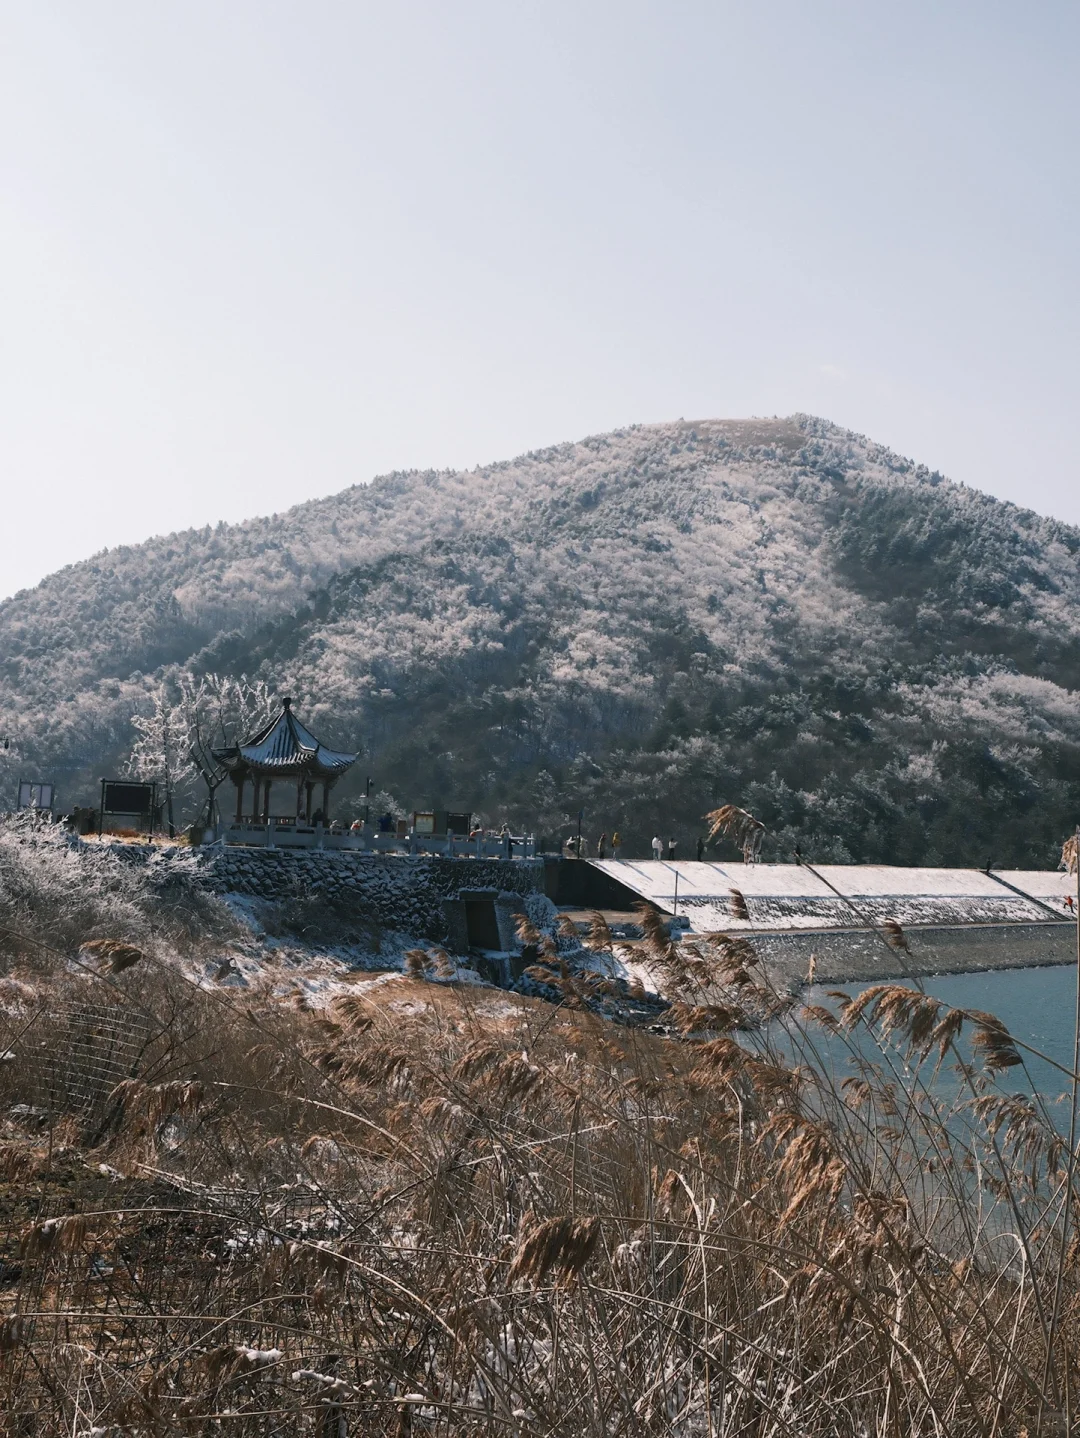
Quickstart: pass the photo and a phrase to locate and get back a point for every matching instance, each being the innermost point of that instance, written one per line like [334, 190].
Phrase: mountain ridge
[775, 612]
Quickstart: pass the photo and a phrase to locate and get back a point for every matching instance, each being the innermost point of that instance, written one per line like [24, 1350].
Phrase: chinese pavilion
[284, 750]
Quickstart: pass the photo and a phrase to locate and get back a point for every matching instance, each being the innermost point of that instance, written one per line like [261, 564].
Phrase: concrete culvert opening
[482, 925]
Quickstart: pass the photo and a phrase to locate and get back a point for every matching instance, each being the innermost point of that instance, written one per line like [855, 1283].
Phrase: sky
[252, 253]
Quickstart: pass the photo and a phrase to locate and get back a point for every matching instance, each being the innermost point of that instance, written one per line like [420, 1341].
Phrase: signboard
[438, 821]
[35, 796]
[123, 800]
[127, 798]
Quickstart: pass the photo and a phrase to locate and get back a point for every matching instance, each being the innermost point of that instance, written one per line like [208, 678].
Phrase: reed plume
[895, 936]
[737, 904]
[562, 1245]
[442, 964]
[416, 963]
[118, 955]
[526, 931]
[599, 937]
[740, 826]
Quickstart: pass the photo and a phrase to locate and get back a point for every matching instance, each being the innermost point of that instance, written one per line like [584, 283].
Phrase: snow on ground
[320, 974]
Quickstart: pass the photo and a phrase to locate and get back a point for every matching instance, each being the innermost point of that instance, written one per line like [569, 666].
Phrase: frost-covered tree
[222, 711]
[11, 770]
[158, 754]
[184, 720]
[225, 710]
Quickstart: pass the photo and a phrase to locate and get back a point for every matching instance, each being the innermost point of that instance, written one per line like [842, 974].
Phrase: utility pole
[580, 820]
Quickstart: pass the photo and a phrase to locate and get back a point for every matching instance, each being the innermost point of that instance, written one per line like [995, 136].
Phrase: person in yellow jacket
[616, 844]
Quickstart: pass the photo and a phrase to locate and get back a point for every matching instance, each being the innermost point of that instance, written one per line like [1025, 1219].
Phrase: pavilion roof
[286, 747]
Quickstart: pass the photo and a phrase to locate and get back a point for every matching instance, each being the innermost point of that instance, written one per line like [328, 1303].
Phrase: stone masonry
[421, 895]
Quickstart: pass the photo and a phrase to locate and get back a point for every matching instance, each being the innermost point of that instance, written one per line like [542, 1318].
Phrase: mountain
[878, 662]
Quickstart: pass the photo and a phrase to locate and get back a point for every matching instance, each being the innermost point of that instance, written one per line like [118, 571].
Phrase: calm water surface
[1037, 1006]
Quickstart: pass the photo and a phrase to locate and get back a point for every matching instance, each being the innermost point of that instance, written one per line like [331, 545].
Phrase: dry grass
[739, 826]
[440, 1209]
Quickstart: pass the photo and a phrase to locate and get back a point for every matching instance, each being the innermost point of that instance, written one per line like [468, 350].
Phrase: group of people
[578, 848]
[660, 852]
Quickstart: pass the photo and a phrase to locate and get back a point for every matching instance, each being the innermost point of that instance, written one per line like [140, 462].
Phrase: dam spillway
[831, 896]
[954, 920]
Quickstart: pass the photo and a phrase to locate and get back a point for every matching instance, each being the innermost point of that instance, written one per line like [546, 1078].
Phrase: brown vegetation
[738, 825]
[437, 1209]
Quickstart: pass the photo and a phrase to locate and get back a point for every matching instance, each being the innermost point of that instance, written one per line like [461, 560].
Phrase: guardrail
[290, 835]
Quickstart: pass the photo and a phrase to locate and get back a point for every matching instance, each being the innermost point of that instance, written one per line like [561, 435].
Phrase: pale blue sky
[255, 251]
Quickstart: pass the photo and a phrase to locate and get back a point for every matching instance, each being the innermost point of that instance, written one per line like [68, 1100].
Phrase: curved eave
[287, 749]
[323, 764]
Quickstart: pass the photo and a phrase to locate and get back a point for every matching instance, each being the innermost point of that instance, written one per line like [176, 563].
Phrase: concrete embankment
[984, 921]
[852, 956]
[465, 903]
[954, 920]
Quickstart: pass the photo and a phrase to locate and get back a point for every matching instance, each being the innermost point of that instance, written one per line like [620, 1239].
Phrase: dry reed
[738, 825]
[225, 1214]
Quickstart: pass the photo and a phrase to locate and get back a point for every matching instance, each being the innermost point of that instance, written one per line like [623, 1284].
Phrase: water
[1037, 1006]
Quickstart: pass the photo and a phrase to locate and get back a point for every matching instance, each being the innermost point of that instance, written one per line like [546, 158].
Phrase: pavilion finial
[286, 703]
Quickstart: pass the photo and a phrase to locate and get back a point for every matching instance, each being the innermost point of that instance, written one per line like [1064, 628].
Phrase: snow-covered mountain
[779, 613]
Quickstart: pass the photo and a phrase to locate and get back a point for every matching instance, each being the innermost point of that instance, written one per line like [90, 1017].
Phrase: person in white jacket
[657, 848]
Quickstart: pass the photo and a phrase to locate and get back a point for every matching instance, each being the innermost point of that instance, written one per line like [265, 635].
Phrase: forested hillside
[781, 614]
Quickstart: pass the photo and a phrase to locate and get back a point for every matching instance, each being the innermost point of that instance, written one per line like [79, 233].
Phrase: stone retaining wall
[420, 895]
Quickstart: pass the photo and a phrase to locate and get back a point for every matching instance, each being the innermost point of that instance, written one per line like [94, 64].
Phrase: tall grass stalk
[1071, 860]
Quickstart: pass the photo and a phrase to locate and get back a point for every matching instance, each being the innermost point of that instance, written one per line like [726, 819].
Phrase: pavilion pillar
[326, 803]
[266, 803]
[309, 786]
[239, 782]
[299, 798]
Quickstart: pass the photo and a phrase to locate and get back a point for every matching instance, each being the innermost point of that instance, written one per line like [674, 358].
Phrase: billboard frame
[39, 784]
[128, 783]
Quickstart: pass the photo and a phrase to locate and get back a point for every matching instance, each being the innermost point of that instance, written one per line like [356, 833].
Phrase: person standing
[616, 844]
[601, 846]
[700, 849]
[671, 851]
[657, 847]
